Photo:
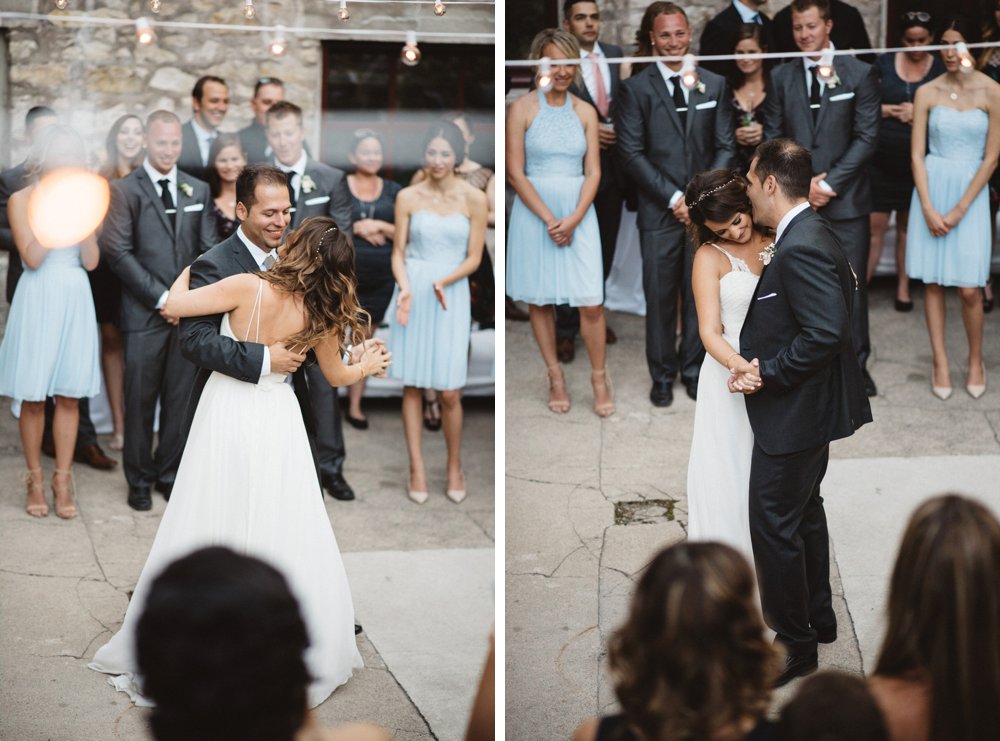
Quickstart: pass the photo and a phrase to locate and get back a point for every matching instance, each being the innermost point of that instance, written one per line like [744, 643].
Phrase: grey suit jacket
[657, 153]
[330, 196]
[141, 250]
[610, 176]
[11, 181]
[842, 140]
[190, 159]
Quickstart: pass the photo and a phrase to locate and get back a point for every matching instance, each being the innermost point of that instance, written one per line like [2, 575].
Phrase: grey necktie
[268, 263]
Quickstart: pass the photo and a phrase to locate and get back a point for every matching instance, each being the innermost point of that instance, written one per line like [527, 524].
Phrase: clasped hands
[939, 225]
[561, 230]
[744, 378]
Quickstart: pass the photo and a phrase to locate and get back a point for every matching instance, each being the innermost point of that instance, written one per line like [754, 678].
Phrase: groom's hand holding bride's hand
[745, 378]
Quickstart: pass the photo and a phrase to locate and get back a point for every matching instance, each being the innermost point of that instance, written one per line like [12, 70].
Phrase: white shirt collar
[808, 63]
[199, 132]
[597, 51]
[787, 219]
[255, 252]
[298, 168]
[747, 14]
[156, 176]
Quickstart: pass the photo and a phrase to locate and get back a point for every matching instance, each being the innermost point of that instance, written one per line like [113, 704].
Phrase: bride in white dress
[247, 478]
[727, 266]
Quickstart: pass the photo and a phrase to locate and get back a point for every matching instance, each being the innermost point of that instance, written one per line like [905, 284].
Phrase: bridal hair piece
[319, 245]
[714, 195]
[707, 193]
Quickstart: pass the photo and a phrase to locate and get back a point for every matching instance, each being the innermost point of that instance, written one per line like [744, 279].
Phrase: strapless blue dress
[957, 142]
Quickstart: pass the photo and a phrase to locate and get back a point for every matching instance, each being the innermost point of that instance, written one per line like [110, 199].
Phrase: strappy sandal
[36, 490]
[559, 406]
[64, 511]
[601, 377]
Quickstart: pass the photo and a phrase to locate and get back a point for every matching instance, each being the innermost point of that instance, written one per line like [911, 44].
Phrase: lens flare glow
[67, 206]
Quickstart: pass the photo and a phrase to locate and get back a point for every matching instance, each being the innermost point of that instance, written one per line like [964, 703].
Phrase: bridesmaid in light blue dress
[440, 232]
[553, 241]
[50, 343]
[956, 116]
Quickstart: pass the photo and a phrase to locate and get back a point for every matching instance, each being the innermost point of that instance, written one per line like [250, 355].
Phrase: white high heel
[977, 390]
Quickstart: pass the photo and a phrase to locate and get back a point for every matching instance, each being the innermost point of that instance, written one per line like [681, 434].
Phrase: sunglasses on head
[268, 81]
[917, 15]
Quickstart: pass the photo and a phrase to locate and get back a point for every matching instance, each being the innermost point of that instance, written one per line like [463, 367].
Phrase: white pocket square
[842, 96]
[195, 207]
[317, 199]
[709, 104]
[770, 295]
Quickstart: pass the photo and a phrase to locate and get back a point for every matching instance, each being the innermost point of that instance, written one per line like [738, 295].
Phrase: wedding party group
[762, 191]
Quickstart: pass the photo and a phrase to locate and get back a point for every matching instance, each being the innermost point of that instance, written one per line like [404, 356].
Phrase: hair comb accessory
[318, 246]
[707, 193]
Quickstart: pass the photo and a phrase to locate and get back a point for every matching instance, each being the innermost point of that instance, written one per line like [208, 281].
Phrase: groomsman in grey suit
[209, 104]
[666, 135]
[837, 120]
[158, 222]
[315, 189]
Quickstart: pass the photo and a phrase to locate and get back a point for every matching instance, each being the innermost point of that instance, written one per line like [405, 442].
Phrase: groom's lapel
[799, 217]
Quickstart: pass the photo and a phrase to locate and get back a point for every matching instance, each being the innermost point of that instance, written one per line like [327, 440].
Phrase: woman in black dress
[900, 74]
[749, 85]
[373, 204]
[227, 159]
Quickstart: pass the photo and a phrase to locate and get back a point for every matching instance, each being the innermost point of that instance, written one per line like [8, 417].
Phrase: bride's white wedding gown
[718, 484]
[247, 481]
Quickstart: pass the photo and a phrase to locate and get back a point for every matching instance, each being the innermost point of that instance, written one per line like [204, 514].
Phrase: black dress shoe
[609, 335]
[338, 488]
[826, 635]
[903, 306]
[662, 393]
[692, 389]
[358, 423]
[48, 447]
[165, 489]
[869, 382]
[93, 456]
[357, 628]
[797, 666]
[565, 349]
[139, 499]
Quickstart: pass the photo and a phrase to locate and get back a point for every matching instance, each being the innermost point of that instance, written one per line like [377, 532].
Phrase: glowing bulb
[343, 13]
[439, 8]
[62, 4]
[144, 31]
[278, 46]
[67, 206]
[825, 67]
[965, 62]
[689, 75]
[544, 79]
[249, 11]
[155, 5]
[410, 54]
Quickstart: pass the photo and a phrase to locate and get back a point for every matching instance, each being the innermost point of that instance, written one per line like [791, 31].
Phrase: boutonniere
[700, 87]
[308, 186]
[186, 189]
[767, 253]
[833, 82]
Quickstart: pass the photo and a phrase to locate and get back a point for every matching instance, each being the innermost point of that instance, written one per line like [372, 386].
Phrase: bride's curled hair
[715, 195]
[318, 264]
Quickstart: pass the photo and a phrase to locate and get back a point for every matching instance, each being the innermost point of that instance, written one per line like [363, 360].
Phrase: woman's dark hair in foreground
[832, 706]
[715, 195]
[220, 646]
[691, 659]
[944, 616]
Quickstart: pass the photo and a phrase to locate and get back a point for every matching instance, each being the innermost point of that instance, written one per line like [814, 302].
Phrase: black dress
[373, 263]
[224, 226]
[742, 117]
[615, 728]
[890, 169]
[107, 290]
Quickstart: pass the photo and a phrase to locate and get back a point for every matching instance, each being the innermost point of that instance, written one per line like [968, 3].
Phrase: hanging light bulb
[144, 31]
[155, 5]
[825, 68]
[439, 8]
[965, 61]
[249, 11]
[410, 55]
[544, 79]
[62, 4]
[278, 46]
[343, 13]
[689, 75]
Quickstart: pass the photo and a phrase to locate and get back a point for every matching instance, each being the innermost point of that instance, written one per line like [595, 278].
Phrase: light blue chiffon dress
[539, 271]
[957, 142]
[432, 350]
[50, 345]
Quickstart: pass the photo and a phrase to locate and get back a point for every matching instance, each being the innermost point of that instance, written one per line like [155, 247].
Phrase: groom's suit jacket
[799, 326]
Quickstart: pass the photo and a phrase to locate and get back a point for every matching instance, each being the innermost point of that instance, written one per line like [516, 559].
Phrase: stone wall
[93, 74]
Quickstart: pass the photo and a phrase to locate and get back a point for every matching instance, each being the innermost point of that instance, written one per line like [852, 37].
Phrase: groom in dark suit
[158, 222]
[837, 120]
[804, 389]
[666, 135]
[314, 189]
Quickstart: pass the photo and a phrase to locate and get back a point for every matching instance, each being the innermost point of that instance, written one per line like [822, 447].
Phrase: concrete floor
[572, 480]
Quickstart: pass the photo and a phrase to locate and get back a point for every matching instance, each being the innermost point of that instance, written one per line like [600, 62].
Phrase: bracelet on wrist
[734, 355]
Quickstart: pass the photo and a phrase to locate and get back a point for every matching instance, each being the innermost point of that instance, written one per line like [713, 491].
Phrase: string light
[155, 5]
[278, 47]
[439, 8]
[965, 61]
[249, 11]
[410, 55]
[343, 13]
[689, 75]
[825, 67]
[544, 80]
[62, 4]
[144, 33]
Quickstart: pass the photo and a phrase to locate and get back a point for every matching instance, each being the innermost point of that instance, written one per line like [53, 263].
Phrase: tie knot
[269, 262]
[756, 18]
[591, 55]
[164, 183]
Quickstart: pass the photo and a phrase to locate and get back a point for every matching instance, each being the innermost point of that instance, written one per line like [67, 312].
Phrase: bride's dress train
[247, 481]
[718, 483]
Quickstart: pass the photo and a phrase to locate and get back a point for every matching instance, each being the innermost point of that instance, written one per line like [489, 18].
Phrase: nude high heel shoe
[65, 511]
[556, 383]
[941, 392]
[36, 488]
[977, 390]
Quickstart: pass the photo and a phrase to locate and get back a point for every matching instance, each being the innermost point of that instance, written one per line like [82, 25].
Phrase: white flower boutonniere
[700, 87]
[308, 186]
[186, 189]
[833, 82]
[767, 253]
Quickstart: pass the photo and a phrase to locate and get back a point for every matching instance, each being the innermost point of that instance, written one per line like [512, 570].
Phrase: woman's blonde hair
[563, 41]
[318, 265]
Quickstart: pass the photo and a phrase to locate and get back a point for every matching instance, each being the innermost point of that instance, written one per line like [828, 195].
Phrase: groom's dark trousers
[799, 327]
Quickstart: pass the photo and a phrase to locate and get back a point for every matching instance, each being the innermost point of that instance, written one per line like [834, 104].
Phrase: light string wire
[383, 34]
[762, 55]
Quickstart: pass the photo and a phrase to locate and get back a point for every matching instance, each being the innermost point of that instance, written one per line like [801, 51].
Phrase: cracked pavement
[570, 569]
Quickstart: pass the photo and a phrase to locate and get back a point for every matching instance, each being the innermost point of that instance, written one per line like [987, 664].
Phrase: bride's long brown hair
[318, 265]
